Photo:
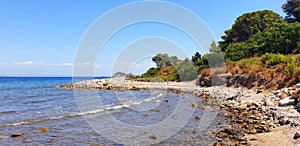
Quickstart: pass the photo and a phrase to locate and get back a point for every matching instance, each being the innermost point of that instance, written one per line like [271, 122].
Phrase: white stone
[287, 101]
[286, 90]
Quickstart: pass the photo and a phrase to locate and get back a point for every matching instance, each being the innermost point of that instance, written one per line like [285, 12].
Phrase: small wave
[124, 105]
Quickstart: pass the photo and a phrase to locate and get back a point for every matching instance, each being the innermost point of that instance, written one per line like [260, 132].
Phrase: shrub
[270, 59]
[290, 69]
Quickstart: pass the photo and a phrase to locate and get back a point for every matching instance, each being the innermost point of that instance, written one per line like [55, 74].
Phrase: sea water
[31, 103]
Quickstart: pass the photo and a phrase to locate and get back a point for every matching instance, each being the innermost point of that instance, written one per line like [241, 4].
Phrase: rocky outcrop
[248, 81]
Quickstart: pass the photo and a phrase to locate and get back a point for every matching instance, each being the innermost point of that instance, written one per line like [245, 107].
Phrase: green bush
[151, 72]
[270, 59]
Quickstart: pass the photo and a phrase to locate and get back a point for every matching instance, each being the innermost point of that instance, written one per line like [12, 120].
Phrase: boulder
[287, 101]
[16, 134]
[297, 135]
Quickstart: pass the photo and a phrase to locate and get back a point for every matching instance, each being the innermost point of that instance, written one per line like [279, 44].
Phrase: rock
[52, 140]
[197, 118]
[157, 101]
[174, 117]
[297, 135]
[287, 101]
[17, 134]
[166, 100]
[146, 115]
[298, 85]
[27, 140]
[43, 129]
[1, 136]
[285, 90]
[157, 110]
[284, 121]
[294, 94]
[152, 137]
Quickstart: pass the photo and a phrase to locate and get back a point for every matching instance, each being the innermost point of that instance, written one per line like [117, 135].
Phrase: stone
[285, 90]
[146, 115]
[43, 129]
[174, 117]
[197, 118]
[152, 137]
[294, 94]
[287, 101]
[27, 140]
[297, 135]
[298, 85]
[1, 136]
[17, 134]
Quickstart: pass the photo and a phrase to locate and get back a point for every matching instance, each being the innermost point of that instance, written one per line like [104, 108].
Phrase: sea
[46, 115]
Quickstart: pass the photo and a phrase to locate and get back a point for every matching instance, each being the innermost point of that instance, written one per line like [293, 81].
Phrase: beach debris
[152, 137]
[18, 134]
[158, 101]
[43, 129]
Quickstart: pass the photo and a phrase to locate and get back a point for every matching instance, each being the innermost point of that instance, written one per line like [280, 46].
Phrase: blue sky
[40, 38]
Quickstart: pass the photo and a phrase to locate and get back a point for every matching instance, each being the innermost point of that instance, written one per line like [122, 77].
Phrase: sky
[41, 38]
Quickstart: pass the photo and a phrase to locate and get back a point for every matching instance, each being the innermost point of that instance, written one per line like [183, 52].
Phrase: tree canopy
[248, 25]
[292, 10]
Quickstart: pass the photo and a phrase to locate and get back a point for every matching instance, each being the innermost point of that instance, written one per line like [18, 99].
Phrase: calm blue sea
[30, 103]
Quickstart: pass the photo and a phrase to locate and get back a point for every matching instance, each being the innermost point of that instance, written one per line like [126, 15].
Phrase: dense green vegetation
[263, 34]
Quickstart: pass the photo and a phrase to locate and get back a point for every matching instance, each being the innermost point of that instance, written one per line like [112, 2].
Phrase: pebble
[297, 135]
[174, 117]
[2, 136]
[287, 101]
[27, 140]
[16, 134]
[43, 129]
[152, 137]
[197, 118]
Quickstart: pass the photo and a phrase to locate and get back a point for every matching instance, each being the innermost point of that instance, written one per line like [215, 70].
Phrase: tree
[292, 10]
[248, 25]
[196, 57]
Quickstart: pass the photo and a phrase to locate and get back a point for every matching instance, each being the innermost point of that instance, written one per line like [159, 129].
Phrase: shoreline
[252, 114]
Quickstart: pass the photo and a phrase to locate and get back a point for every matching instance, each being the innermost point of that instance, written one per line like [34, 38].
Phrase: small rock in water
[146, 115]
[52, 140]
[157, 110]
[157, 101]
[1, 136]
[152, 137]
[16, 134]
[43, 129]
[174, 117]
[197, 118]
[27, 140]
[166, 100]
[297, 135]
